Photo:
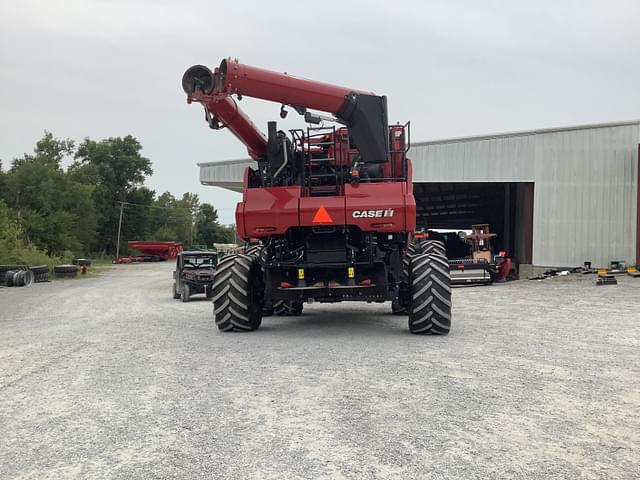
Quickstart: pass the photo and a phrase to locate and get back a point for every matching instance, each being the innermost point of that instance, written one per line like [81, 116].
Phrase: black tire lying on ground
[5, 268]
[82, 262]
[62, 271]
[430, 287]
[41, 277]
[39, 269]
[40, 273]
[238, 293]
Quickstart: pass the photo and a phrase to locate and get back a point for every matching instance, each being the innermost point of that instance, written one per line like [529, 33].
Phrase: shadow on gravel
[192, 299]
[339, 323]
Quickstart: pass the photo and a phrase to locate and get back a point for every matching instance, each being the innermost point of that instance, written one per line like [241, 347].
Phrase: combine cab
[332, 204]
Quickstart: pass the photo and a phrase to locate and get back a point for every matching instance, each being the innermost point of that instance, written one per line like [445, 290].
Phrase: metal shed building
[556, 197]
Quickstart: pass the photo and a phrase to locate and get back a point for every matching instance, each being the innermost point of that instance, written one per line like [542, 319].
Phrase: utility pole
[119, 228]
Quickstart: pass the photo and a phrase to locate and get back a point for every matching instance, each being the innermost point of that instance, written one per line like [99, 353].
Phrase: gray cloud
[106, 68]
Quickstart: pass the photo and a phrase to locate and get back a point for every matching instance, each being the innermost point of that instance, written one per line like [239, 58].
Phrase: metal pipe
[286, 158]
[198, 82]
[238, 78]
[226, 110]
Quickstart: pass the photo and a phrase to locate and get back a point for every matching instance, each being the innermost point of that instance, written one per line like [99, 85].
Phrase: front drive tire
[176, 294]
[287, 307]
[238, 294]
[397, 308]
[296, 308]
[430, 287]
[186, 292]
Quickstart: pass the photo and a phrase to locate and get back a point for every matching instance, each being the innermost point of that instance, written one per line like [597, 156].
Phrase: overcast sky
[87, 68]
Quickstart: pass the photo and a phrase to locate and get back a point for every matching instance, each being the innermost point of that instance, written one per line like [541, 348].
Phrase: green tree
[2, 180]
[208, 230]
[9, 232]
[116, 166]
[185, 216]
[227, 234]
[206, 225]
[173, 219]
[162, 220]
[138, 214]
[54, 211]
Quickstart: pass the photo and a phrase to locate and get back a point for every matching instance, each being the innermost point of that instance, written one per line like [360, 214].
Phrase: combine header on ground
[159, 250]
[333, 205]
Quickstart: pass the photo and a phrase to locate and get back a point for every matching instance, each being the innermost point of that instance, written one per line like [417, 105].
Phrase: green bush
[13, 250]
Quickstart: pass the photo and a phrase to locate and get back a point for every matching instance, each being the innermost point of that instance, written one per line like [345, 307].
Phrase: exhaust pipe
[198, 78]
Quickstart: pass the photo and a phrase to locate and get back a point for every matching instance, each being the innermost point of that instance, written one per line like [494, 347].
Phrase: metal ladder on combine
[321, 173]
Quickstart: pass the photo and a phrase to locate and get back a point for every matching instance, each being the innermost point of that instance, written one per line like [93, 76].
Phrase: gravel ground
[108, 377]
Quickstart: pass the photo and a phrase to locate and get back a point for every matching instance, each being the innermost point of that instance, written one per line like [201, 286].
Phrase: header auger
[332, 206]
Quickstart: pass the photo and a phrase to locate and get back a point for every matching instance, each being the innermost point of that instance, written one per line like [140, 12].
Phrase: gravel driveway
[109, 377]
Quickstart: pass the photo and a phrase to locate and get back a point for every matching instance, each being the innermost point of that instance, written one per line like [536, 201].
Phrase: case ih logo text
[372, 213]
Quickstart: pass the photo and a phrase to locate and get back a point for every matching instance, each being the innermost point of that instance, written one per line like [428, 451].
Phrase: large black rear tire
[414, 248]
[253, 250]
[430, 287]
[433, 246]
[238, 294]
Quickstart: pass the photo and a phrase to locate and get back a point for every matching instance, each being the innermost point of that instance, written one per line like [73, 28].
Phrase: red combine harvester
[333, 206]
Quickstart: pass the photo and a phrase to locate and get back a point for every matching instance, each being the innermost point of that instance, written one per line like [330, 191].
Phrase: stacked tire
[82, 262]
[40, 273]
[18, 278]
[65, 271]
[5, 268]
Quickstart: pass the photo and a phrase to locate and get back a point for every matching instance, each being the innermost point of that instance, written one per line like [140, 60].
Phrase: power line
[167, 207]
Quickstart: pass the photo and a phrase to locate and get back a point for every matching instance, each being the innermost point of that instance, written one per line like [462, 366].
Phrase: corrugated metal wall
[585, 194]
[501, 159]
[585, 185]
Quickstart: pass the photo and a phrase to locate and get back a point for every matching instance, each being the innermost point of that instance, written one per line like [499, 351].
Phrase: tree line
[47, 210]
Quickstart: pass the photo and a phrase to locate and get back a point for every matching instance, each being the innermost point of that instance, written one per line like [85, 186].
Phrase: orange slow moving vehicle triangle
[322, 216]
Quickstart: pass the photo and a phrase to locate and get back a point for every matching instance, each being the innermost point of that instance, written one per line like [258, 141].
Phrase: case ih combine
[333, 206]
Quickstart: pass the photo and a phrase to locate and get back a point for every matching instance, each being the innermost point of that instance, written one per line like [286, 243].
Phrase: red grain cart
[157, 250]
